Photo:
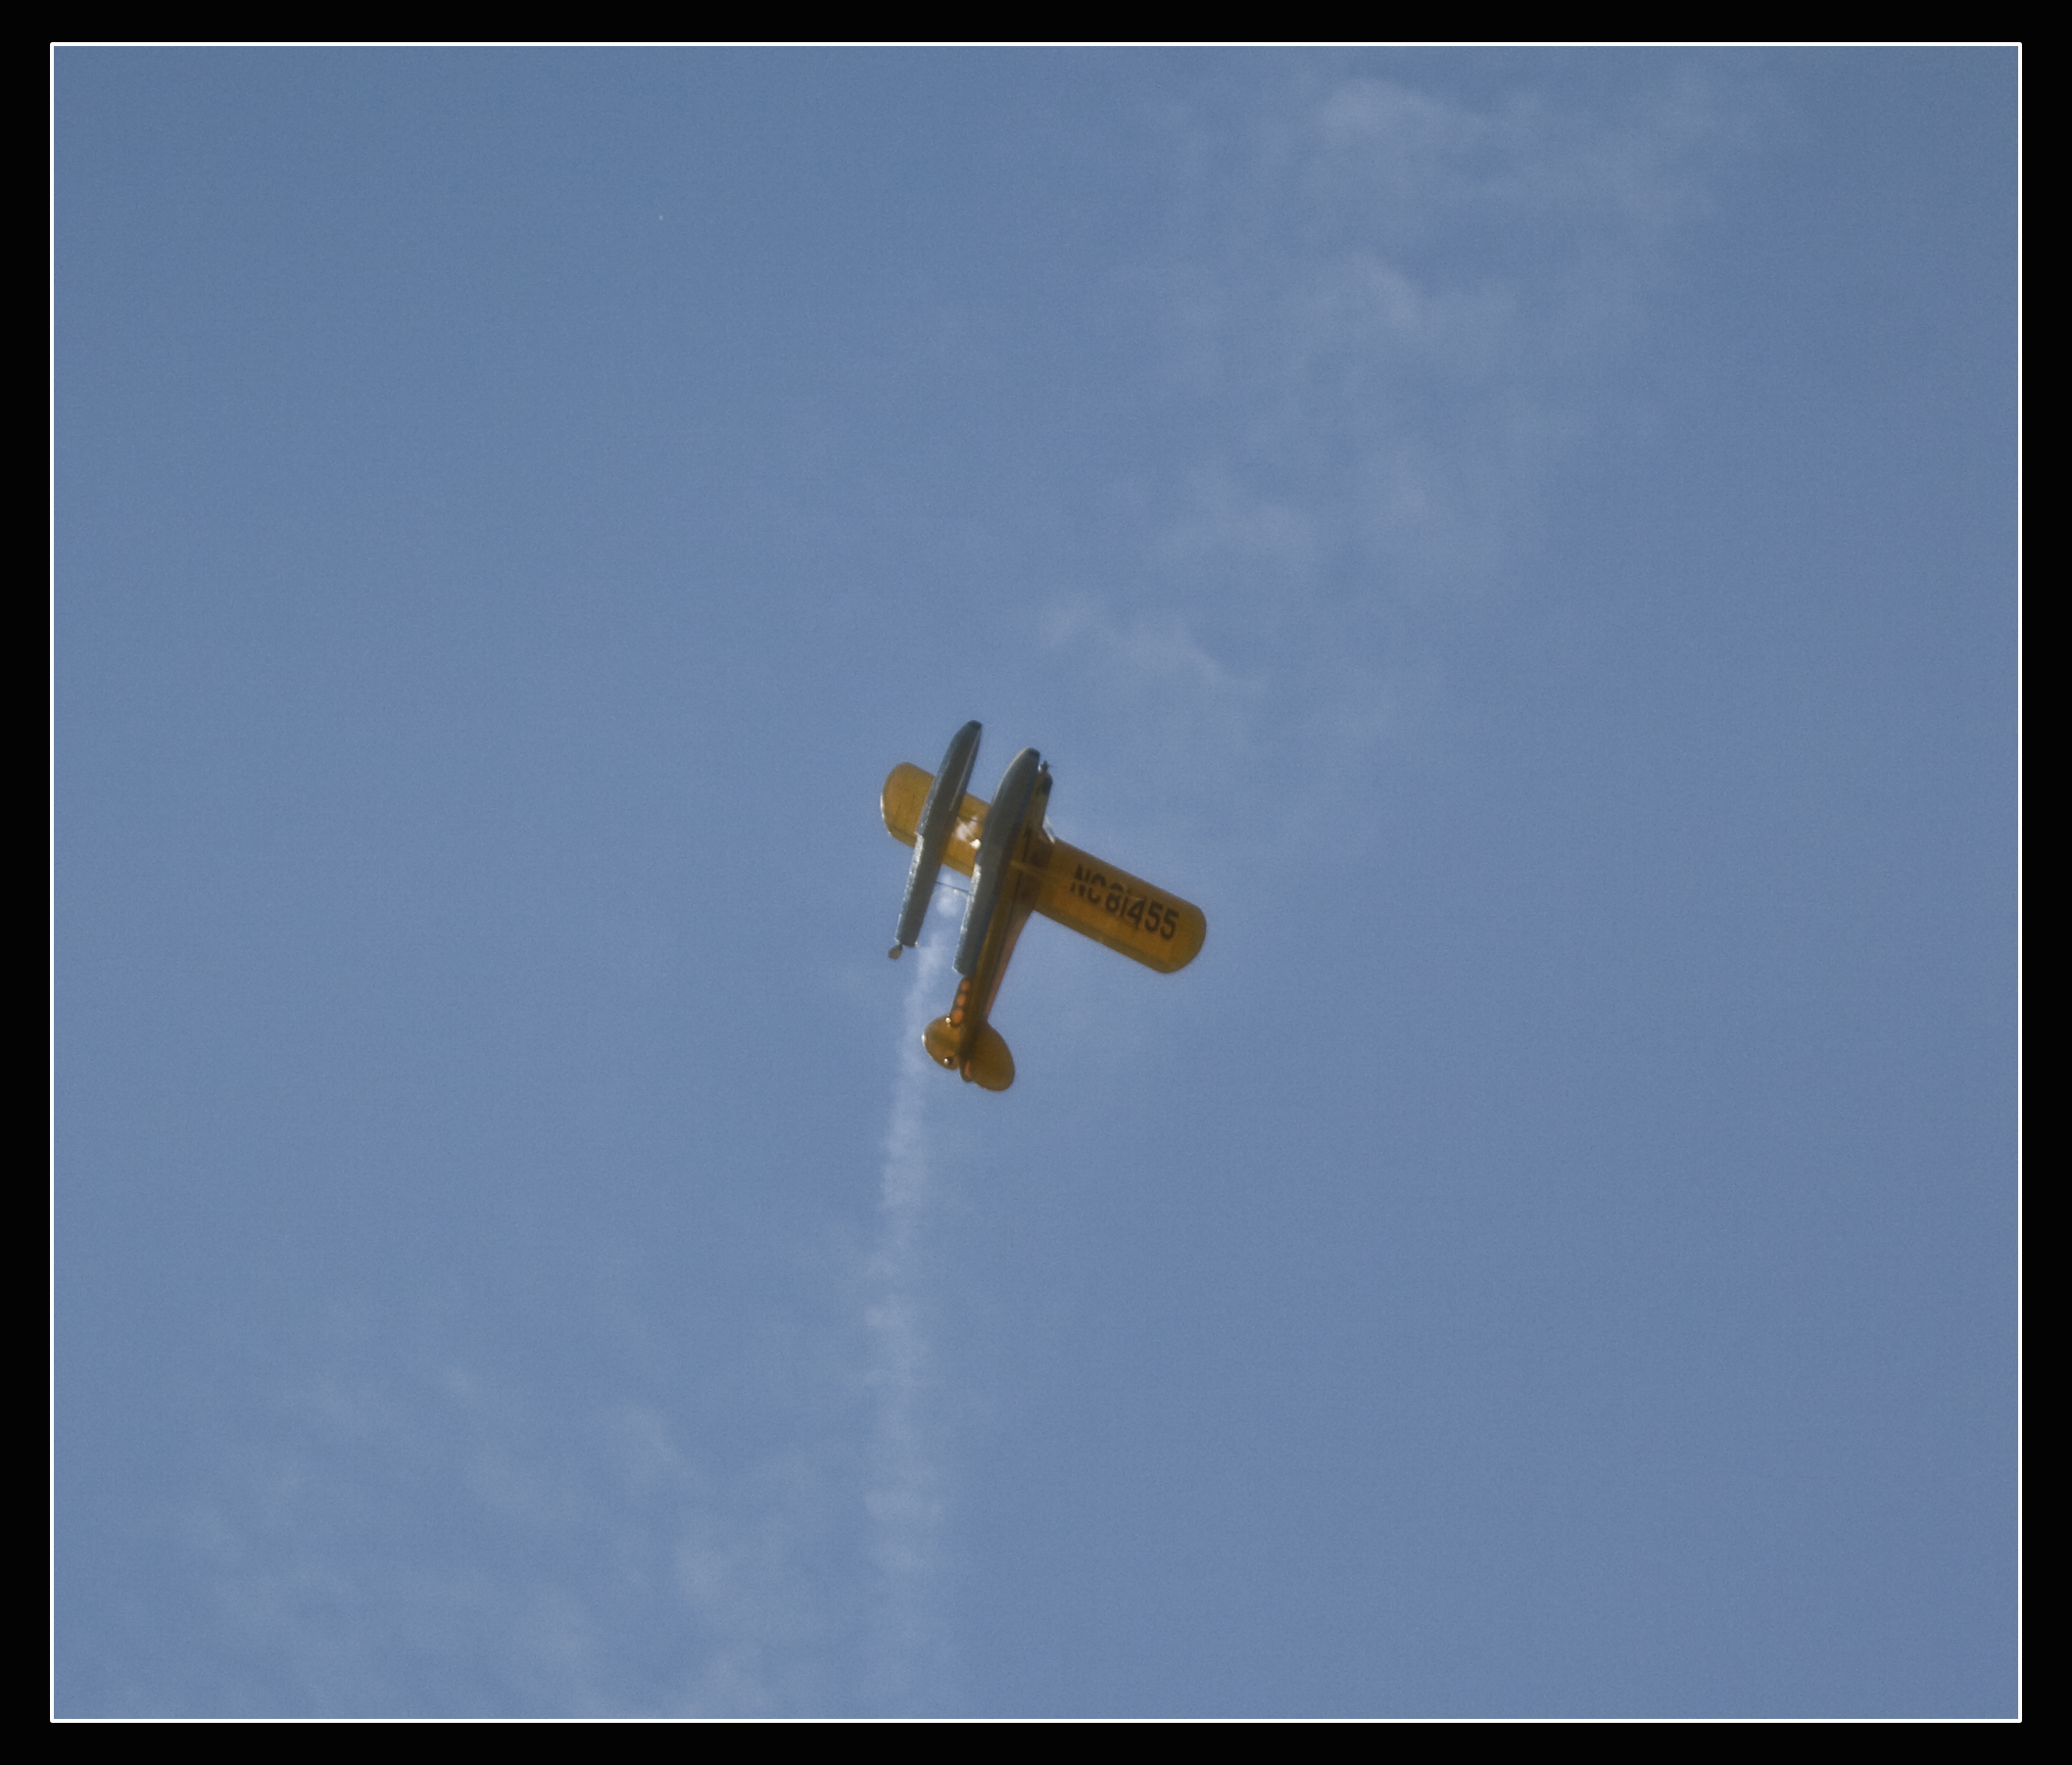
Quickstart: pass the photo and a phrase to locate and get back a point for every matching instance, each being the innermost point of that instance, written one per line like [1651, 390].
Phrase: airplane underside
[1017, 867]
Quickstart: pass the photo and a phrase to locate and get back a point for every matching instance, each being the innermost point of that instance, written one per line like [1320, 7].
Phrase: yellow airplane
[1017, 867]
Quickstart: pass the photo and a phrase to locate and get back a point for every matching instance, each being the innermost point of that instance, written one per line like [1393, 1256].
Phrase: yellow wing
[905, 791]
[1123, 912]
[1074, 888]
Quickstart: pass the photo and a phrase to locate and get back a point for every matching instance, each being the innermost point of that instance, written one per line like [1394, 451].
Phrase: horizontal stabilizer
[988, 1065]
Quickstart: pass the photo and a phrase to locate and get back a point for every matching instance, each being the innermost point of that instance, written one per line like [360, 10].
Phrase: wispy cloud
[414, 1536]
[1383, 316]
[415, 1531]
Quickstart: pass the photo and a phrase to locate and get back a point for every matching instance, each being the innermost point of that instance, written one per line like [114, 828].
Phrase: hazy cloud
[1384, 319]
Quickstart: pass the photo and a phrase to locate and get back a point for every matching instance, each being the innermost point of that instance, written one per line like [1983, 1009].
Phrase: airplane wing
[1123, 912]
[1076, 888]
[905, 790]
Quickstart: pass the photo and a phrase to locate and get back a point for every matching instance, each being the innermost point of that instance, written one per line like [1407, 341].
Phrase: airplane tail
[988, 1066]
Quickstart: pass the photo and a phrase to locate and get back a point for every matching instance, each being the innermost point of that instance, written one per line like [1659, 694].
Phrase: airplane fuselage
[1012, 854]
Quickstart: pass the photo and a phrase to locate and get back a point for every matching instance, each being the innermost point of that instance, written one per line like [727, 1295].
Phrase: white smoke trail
[906, 1502]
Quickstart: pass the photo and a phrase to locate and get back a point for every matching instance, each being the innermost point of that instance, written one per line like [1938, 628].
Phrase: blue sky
[1526, 540]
